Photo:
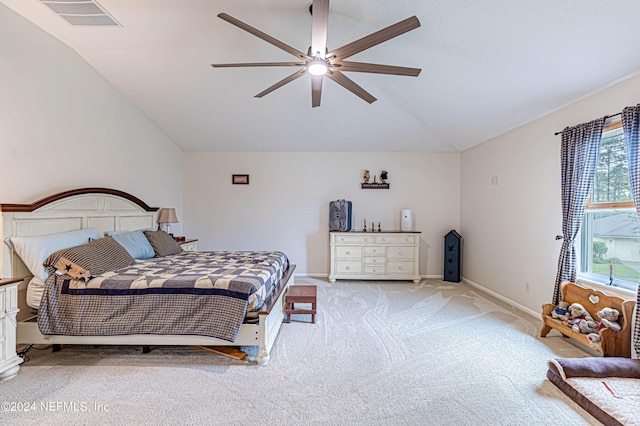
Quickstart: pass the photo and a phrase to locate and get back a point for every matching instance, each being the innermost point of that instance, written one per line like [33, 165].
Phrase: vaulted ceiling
[488, 66]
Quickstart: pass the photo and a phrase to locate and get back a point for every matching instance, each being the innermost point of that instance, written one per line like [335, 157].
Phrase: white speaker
[406, 220]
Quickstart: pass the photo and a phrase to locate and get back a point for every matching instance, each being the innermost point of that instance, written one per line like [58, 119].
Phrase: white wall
[509, 229]
[286, 205]
[63, 126]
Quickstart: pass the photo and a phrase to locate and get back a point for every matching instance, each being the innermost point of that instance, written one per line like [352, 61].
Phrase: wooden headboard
[101, 208]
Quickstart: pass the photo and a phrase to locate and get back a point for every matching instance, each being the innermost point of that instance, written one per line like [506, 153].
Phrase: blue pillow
[135, 243]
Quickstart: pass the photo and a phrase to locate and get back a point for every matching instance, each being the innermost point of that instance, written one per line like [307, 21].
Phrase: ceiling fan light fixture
[317, 66]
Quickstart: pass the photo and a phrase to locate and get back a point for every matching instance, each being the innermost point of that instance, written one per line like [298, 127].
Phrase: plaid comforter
[190, 293]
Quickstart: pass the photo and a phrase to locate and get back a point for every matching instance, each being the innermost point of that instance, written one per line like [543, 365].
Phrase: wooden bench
[612, 343]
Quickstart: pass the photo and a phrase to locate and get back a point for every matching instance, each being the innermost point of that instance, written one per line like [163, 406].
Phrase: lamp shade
[167, 216]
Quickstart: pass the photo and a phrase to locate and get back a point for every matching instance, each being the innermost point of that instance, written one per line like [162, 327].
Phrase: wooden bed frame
[113, 210]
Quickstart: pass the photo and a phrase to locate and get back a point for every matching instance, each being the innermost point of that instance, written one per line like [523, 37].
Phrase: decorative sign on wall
[382, 184]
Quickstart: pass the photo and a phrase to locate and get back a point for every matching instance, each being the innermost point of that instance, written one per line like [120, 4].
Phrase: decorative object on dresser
[406, 220]
[167, 217]
[386, 255]
[9, 360]
[301, 294]
[452, 257]
[340, 212]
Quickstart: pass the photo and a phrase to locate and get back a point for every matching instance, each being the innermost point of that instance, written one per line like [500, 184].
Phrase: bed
[607, 388]
[174, 298]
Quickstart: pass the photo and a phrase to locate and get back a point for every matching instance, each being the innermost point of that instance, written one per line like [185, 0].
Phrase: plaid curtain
[631, 128]
[579, 153]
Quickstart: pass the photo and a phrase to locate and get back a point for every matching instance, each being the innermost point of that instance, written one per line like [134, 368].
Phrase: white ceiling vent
[82, 13]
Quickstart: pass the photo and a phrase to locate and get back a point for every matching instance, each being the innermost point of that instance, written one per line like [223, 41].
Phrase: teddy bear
[608, 319]
[587, 326]
[577, 313]
[561, 311]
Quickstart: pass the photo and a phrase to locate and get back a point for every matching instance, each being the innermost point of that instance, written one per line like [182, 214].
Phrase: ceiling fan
[319, 62]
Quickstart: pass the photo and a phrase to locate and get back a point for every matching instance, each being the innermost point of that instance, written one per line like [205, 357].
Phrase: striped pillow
[163, 244]
[89, 260]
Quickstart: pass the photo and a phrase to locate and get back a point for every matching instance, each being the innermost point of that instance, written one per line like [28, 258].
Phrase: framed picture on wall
[240, 179]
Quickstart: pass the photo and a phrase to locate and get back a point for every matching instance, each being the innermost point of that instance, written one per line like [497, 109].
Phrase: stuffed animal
[588, 326]
[561, 311]
[608, 319]
[577, 313]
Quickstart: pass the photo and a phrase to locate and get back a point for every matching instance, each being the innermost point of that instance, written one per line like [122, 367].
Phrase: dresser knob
[401, 268]
[348, 268]
[348, 253]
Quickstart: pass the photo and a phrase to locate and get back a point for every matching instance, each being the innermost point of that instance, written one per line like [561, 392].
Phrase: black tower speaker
[452, 256]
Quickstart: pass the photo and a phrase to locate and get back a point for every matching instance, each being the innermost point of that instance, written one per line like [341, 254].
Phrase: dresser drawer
[400, 253]
[396, 239]
[400, 268]
[348, 267]
[375, 260]
[375, 251]
[353, 239]
[348, 252]
[374, 270]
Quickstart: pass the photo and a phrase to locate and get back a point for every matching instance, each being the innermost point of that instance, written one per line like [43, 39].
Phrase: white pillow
[34, 250]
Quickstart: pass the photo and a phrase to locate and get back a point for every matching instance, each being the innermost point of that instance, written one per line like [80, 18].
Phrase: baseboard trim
[502, 298]
[325, 275]
[311, 275]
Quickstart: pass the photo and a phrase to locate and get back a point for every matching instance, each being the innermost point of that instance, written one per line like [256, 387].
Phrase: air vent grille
[86, 13]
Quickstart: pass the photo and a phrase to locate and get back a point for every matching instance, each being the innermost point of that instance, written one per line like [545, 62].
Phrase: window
[610, 239]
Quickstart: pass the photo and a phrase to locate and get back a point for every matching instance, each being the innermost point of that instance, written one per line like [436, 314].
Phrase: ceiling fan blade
[316, 90]
[351, 86]
[319, 28]
[263, 36]
[376, 68]
[260, 64]
[375, 38]
[282, 82]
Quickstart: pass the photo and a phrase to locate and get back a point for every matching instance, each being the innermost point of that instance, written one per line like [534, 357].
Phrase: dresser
[9, 360]
[375, 256]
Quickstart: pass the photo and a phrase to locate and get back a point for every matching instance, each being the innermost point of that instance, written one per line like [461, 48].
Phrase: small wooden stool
[300, 294]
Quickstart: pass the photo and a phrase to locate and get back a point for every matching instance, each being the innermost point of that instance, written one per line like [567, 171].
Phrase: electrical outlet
[526, 286]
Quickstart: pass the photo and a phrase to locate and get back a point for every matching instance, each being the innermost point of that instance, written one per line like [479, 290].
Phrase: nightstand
[189, 245]
[9, 360]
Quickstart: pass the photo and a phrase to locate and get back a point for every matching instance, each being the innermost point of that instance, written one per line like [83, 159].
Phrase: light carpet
[380, 353]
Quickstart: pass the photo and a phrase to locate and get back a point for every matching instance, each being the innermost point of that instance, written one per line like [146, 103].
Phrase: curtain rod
[605, 117]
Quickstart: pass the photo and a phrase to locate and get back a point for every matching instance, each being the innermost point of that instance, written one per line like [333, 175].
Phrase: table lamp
[167, 216]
